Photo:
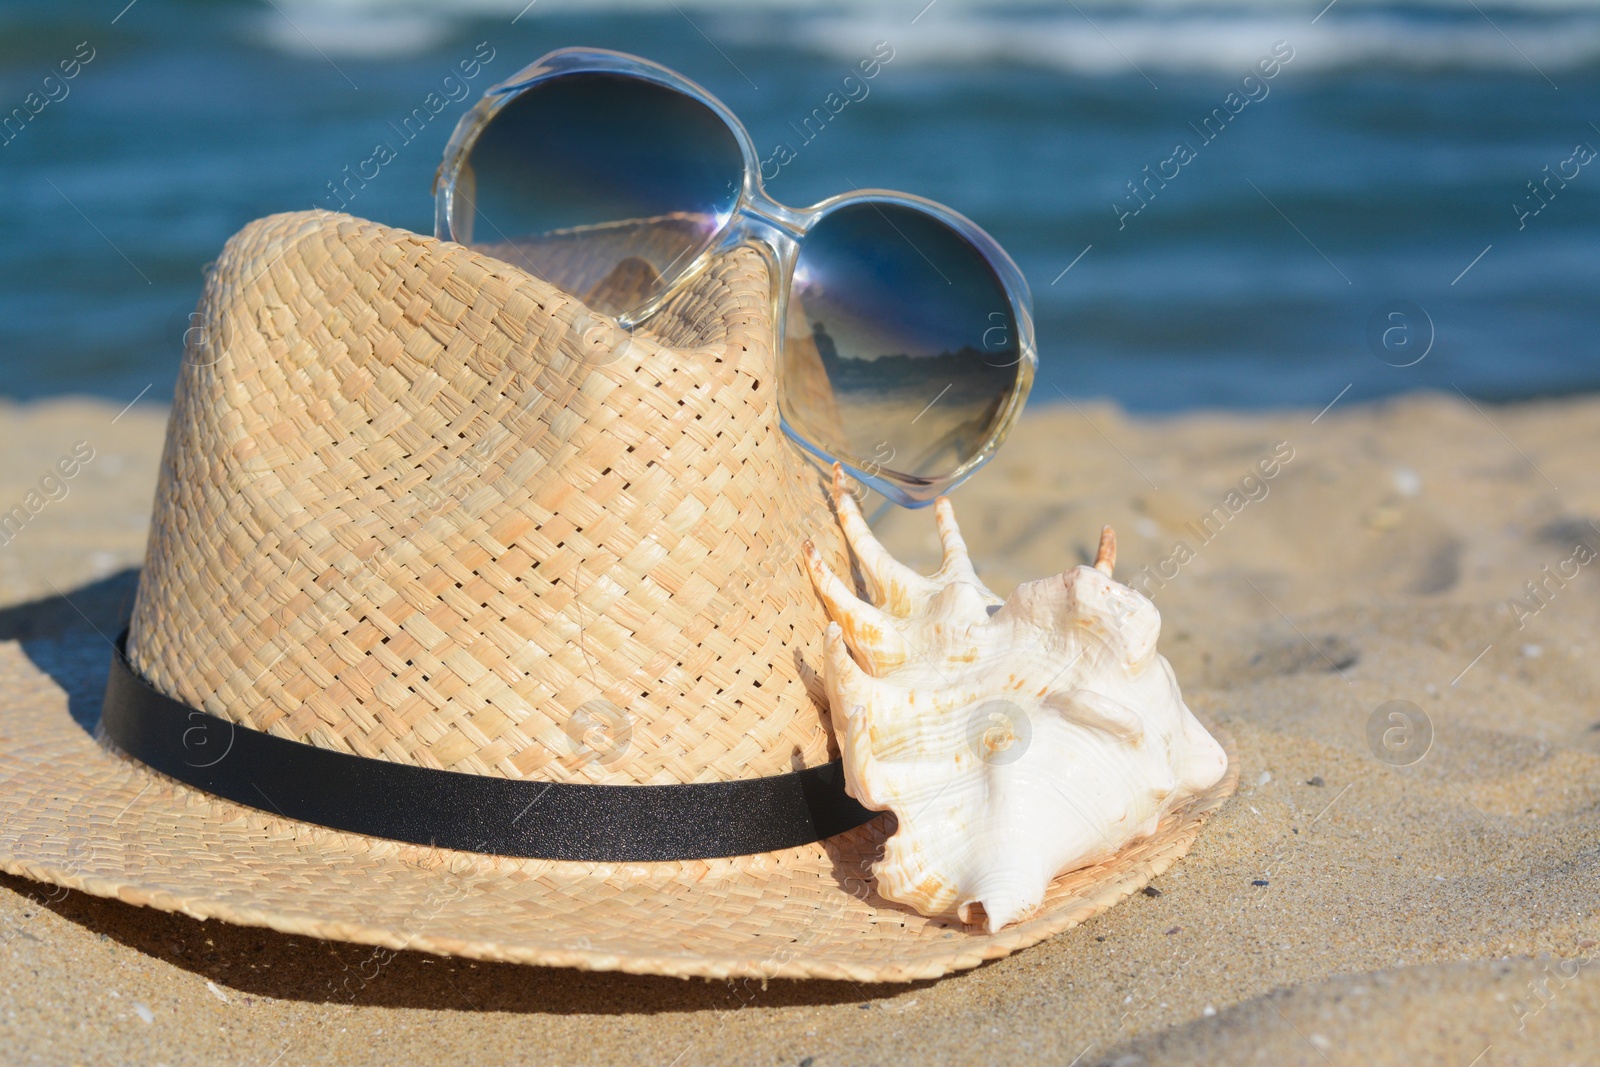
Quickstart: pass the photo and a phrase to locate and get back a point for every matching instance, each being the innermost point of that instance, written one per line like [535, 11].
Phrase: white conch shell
[1015, 740]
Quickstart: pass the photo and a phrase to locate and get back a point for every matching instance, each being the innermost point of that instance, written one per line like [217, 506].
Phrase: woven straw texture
[420, 506]
[326, 563]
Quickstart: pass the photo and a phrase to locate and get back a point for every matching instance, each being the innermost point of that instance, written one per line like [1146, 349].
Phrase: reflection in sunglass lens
[608, 187]
[901, 350]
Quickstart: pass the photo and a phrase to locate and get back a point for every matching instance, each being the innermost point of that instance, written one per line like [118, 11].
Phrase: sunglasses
[904, 332]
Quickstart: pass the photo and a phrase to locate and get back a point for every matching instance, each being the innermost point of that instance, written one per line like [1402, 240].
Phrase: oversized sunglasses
[904, 332]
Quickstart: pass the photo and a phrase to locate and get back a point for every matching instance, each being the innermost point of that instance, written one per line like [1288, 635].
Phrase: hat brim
[76, 813]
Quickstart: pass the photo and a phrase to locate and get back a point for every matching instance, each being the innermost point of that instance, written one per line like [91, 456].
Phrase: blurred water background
[1411, 185]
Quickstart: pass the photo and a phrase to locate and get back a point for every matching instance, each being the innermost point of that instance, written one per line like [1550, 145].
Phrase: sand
[1356, 902]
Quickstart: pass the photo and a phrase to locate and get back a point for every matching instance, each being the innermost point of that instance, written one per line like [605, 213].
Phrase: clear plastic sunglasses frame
[777, 231]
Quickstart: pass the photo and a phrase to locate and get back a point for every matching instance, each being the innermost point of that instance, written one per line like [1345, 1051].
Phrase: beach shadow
[254, 962]
[69, 637]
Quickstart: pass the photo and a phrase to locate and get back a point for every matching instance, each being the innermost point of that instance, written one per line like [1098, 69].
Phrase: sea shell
[1014, 740]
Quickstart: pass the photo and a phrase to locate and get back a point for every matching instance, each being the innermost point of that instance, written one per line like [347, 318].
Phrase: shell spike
[870, 633]
[1106, 557]
[957, 564]
[1005, 898]
[852, 712]
[892, 584]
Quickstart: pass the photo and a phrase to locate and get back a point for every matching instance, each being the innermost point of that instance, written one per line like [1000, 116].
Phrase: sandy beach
[1393, 882]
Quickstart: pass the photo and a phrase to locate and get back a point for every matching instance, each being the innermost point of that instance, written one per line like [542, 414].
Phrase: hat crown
[418, 505]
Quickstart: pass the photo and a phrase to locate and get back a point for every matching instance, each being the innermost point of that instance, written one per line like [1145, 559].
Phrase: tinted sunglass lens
[901, 350]
[607, 186]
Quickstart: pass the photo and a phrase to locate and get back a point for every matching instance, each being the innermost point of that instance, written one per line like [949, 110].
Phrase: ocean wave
[1089, 38]
[905, 10]
[349, 30]
[1113, 45]
[1213, 43]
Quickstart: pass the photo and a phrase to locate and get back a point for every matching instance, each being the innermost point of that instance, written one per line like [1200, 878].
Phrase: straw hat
[420, 507]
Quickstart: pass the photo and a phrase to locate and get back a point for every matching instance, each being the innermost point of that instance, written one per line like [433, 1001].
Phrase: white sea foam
[346, 30]
[905, 10]
[1212, 41]
[1090, 38]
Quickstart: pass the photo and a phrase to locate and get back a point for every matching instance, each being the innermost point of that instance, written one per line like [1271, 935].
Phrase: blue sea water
[1407, 202]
